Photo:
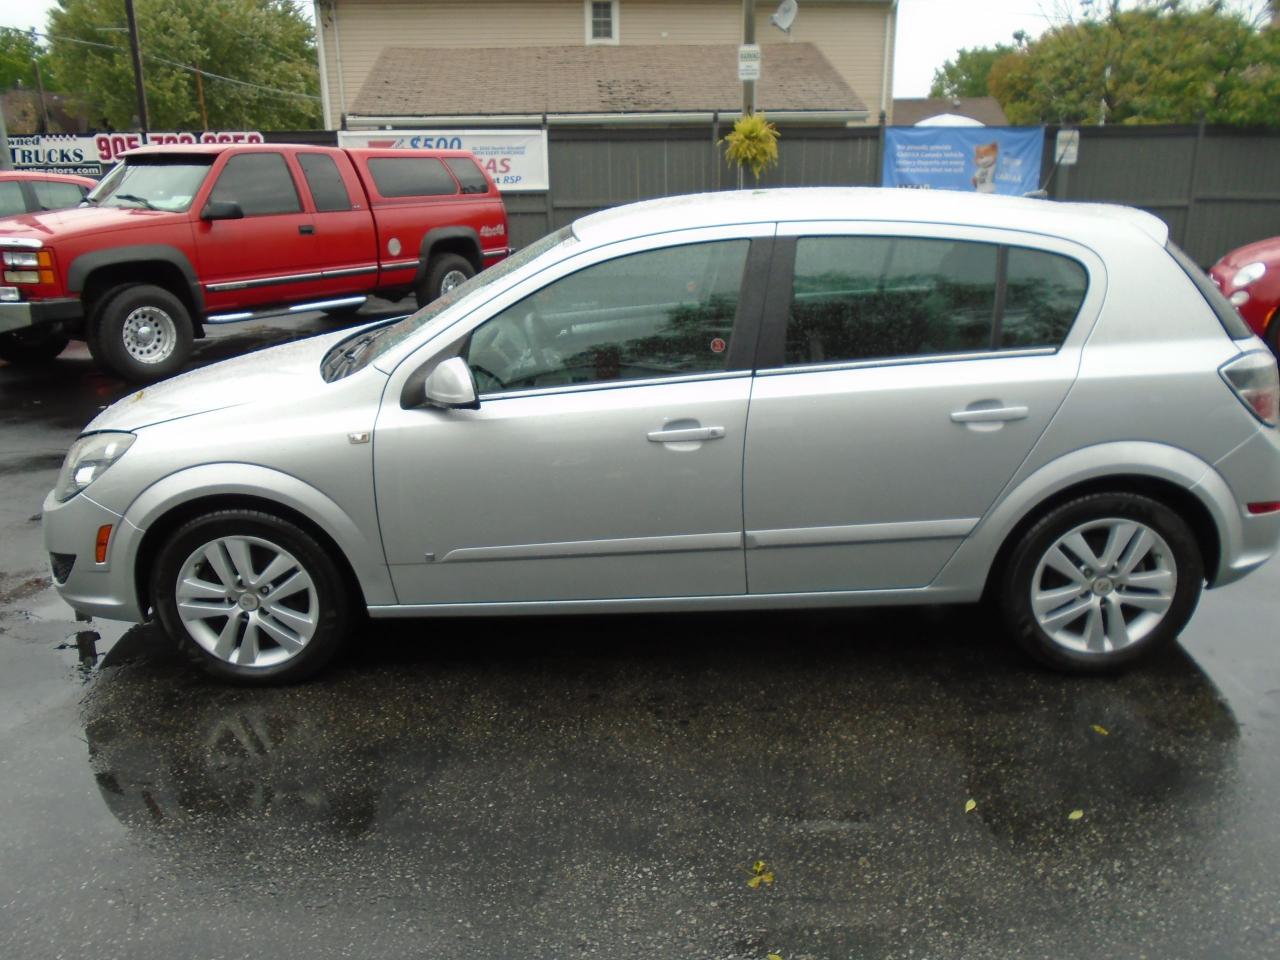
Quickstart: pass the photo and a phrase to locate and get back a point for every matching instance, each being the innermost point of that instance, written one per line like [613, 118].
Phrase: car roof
[1078, 221]
[41, 175]
[210, 149]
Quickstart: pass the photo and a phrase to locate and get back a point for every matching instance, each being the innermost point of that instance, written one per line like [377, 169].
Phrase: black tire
[330, 606]
[1016, 583]
[109, 326]
[33, 346]
[1272, 336]
[440, 268]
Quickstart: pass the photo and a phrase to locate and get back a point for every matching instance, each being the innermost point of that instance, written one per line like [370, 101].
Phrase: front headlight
[87, 460]
[1249, 273]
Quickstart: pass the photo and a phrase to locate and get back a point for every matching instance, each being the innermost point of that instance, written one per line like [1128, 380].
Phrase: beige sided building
[673, 60]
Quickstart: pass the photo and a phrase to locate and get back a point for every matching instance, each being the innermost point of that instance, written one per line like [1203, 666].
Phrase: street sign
[749, 61]
[1066, 149]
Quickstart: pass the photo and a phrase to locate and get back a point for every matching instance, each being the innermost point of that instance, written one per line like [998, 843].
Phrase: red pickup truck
[178, 237]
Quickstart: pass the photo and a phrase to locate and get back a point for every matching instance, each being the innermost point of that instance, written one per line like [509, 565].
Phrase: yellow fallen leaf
[1101, 730]
[970, 806]
[1075, 814]
[754, 882]
[759, 867]
[773, 956]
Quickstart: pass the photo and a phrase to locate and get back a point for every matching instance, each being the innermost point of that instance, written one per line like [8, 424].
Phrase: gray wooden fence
[1217, 187]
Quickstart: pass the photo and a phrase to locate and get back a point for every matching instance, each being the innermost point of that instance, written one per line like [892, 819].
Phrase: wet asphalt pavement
[593, 787]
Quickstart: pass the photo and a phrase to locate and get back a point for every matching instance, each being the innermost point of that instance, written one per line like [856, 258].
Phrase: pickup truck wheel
[143, 333]
[444, 272]
[33, 346]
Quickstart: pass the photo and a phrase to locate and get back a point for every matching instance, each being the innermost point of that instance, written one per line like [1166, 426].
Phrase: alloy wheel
[149, 334]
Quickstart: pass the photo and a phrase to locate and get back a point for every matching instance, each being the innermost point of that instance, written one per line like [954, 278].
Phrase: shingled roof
[596, 79]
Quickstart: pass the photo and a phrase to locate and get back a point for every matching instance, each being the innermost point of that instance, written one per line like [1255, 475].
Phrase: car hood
[267, 378]
[51, 225]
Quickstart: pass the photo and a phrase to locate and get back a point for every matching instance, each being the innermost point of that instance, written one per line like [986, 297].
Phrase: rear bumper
[1248, 474]
[38, 313]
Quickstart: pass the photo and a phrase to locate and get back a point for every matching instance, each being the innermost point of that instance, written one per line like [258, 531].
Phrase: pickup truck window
[159, 182]
[325, 182]
[468, 175]
[411, 177]
[55, 195]
[260, 183]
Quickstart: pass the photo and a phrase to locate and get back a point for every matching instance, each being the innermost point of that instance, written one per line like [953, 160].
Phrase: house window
[602, 21]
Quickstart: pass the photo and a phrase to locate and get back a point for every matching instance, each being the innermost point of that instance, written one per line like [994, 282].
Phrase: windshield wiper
[137, 199]
[344, 360]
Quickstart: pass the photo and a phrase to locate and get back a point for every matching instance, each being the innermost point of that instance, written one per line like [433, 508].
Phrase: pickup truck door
[346, 244]
[267, 257]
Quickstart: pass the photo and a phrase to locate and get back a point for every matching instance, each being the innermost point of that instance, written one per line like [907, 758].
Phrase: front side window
[56, 195]
[659, 313]
[870, 298]
[11, 199]
[260, 183]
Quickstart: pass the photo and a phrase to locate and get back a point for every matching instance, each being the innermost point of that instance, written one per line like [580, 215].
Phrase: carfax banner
[1002, 160]
[516, 159]
[91, 154]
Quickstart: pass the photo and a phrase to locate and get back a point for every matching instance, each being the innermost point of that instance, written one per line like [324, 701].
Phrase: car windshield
[399, 332]
[153, 183]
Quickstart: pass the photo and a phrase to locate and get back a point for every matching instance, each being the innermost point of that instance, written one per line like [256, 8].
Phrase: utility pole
[44, 109]
[136, 51]
[204, 114]
[6, 158]
[748, 36]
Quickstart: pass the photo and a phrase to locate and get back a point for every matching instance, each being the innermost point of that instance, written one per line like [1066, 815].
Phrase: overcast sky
[929, 31]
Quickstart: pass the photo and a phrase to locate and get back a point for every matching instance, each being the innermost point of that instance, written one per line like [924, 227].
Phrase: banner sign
[516, 159]
[90, 155]
[977, 159]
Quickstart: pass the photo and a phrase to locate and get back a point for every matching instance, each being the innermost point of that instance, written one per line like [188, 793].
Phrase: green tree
[266, 45]
[1159, 63]
[18, 53]
[966, 75]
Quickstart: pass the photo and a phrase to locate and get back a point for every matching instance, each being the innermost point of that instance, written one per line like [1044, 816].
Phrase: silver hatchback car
[794, 398]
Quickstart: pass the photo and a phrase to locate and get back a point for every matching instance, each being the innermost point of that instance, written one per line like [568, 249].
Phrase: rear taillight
[1253, 378]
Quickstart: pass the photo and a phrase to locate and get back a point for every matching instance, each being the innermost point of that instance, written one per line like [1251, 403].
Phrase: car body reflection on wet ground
[605, 787]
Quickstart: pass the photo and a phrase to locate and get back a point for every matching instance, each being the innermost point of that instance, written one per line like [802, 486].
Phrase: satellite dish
[785, 15]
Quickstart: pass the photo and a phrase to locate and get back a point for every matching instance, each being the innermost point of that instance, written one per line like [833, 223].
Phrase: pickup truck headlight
[28, 266]
[88, 459]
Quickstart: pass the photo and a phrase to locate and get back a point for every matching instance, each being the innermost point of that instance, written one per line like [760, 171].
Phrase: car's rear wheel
[251, 597]
[444, 272]
[32, 346]
[142, 333]
[1101, 581]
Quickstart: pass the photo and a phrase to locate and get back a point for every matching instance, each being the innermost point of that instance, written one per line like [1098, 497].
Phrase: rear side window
[863, 298]
[468, 175]
[869, 298]
[1230, 319]
[411, 177]
[1043, 293]
[11, 200]
[325, 182]
[55, 195]
[260, 183]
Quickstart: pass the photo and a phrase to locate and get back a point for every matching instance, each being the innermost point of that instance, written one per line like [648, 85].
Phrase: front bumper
[38, 313]
[105, 589]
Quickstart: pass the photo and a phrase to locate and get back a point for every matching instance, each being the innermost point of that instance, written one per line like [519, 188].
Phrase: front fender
[968, 567]
[362, 549]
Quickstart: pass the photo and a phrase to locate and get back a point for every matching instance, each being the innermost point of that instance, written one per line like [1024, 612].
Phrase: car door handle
[989, 414]
[686, 434]
[306, 228]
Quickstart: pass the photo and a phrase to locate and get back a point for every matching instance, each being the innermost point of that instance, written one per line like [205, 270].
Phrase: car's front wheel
[141, 333]
[1100, 581]
[251, 597]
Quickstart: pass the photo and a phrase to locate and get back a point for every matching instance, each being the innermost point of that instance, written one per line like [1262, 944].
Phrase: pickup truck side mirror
[222, 210]
[452, 386]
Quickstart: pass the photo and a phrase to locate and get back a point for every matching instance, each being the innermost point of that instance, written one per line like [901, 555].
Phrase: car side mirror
[452, 386]
[222, 210]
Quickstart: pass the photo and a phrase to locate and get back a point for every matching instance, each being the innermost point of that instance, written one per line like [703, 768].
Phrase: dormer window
[602, 21]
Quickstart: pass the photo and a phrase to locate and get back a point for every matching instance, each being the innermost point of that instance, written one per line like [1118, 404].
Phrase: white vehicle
[795, 398]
